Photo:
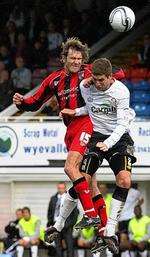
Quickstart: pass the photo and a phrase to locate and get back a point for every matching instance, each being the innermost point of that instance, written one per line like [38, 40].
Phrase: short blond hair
[76, 44]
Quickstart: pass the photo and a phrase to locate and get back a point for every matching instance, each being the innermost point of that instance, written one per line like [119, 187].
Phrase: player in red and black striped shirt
[64, 84]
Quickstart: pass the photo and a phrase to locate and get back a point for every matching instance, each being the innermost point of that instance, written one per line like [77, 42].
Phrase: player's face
[73, 61]
[102, 82]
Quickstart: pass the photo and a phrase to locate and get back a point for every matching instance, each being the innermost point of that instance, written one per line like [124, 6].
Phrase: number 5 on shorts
[84, 138]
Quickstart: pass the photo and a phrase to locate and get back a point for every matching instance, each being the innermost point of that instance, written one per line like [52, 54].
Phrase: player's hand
[17, 99]
[141, 245]
[67, 112]
[103, 147]
[87, 82]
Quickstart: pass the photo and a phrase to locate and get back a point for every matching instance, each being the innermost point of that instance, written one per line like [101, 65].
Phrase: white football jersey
[109, 110]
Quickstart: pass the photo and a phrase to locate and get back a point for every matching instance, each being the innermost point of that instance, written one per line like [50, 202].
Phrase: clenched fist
[17, 99]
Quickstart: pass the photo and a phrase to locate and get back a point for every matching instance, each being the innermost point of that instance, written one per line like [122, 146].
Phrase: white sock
[34, 250]
[66, 208]
[20, 250]
[81, 253]
[108, 253]
[116, 207]
[125, 254]
[96, 254]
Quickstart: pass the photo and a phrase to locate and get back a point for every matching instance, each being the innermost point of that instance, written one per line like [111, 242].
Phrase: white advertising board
[32, 143]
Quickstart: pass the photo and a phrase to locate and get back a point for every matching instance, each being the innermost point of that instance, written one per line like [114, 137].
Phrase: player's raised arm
[34, 102]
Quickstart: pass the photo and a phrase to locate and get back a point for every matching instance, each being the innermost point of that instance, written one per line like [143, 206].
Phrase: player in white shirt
[107, 102]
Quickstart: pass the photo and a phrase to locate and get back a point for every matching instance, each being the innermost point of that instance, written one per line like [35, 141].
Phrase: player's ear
[63, 59]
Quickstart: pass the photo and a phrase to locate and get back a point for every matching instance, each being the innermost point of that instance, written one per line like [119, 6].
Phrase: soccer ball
[122, 19]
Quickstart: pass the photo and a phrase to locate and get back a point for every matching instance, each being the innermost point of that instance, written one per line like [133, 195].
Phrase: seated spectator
[12, 229]
[42, 38]
[39, 56]
[139, 234]
[21, 76]
[38, 75]
[22, 48]
[6, 89]
[144, 53]
[30, 233]
[52, 216]
[66, 29]
[87, 32]
[5, 57]
[53, 64]
[55, 40]
[2, 67]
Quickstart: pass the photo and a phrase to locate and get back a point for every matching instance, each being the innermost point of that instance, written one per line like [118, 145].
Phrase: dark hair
[26, 209]
[102, 66]
[19, 209]
[76, 44]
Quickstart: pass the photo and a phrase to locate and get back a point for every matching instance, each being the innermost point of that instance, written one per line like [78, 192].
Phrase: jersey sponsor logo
[68, 91]
[104, 108]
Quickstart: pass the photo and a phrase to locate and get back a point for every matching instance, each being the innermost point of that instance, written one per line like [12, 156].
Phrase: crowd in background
[133, 229]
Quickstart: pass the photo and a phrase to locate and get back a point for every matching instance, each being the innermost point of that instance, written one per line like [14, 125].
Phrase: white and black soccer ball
[122, 19]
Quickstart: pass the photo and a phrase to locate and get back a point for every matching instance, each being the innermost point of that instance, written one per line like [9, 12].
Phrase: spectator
[2, 67]
[30, 233]
[12, 230]
[54, 39]
[12, 33]
[22, 48]
[144, 53]
[17, 17]
[6, 89]
[42, 38]
[39, 56]
[66, 29]
[21, 76]
[87, 32]
[53, 213]
[139, 233]
[5, 57]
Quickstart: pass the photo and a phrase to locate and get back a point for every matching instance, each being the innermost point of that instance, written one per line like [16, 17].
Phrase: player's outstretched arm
[34, 102]
[75, 112]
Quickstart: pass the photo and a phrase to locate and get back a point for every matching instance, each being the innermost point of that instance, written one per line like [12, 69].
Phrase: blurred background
[31, 34]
